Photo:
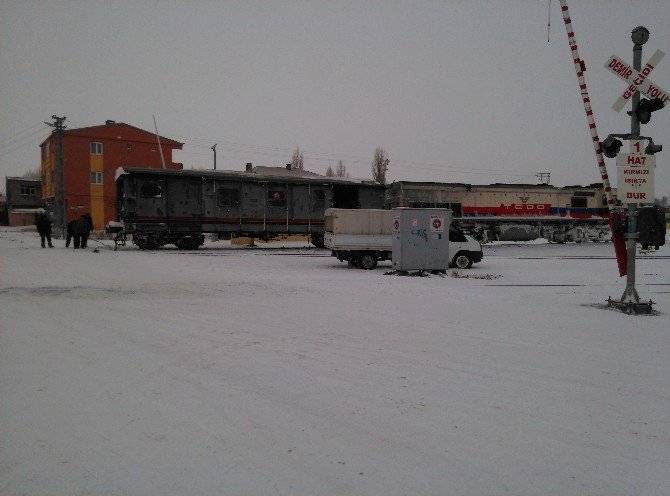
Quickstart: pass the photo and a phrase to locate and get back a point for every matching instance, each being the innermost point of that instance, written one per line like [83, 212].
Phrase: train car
[159, 207]
[514, 212]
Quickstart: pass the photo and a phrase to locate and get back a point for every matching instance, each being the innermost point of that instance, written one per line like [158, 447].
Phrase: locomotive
[160, 207]
[513, 212]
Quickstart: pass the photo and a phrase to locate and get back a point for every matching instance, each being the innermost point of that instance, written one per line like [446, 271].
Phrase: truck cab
[464, 250]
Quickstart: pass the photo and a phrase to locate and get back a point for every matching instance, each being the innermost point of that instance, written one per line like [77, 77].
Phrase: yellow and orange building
[91, 156]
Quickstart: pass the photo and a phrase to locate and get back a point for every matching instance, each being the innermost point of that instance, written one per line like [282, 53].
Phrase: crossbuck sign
[637, 81]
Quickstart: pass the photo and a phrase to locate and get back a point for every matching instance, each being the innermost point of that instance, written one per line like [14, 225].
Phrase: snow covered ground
[282, 372]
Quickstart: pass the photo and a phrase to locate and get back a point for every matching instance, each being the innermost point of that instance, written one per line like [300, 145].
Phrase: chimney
[288, 166]
[109, 122]
[249, 166]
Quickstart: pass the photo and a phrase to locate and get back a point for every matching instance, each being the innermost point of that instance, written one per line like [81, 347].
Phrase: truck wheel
[367, 261]
[462, 260]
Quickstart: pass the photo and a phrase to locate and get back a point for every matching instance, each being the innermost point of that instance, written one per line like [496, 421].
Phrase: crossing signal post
[635, 177]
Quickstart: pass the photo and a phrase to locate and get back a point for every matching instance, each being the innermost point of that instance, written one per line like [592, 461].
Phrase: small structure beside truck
[363, 237]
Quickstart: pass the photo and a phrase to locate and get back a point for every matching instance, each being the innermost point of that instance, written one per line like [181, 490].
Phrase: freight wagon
[514, 212]
[159, 206]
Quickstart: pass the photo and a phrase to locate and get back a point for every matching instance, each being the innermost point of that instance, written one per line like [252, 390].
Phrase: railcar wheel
[146, 242]
[367, 261]
[462, 260]
[188, 243]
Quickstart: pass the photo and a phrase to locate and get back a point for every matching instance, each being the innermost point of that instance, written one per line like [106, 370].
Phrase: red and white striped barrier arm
[580, 68]
[617, 238]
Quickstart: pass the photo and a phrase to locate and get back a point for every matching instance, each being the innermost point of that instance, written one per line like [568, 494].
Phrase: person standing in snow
[43, 224]
[89, 220]
[81, 231]
[70, 232]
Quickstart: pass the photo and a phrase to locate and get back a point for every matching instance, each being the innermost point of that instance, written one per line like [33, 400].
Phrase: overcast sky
[453, 90]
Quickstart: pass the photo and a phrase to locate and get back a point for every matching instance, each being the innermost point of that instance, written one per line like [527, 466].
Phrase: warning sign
[437, 223]
[635, 178]
[396, 224]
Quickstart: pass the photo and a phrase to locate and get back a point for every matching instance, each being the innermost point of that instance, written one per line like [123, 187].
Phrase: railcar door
[184, 204]
[227, 203]
[276, 208]
[148, 193]
[299, 208]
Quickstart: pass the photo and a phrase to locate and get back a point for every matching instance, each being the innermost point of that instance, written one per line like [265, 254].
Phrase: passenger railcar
[510, 211]
[160, 207]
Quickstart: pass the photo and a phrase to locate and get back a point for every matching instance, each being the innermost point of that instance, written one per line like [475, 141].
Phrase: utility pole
[60, 208]
[214, 150]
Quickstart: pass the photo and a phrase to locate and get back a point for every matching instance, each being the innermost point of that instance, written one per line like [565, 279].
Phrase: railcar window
[151, 190]
[319, 199]
[276, 198]
[227, 197]
[578, 202]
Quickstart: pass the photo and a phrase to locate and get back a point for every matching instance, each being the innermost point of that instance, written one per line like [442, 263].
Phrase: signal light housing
[611, 146]
[651, 226]
[646, 107]
[651, 148]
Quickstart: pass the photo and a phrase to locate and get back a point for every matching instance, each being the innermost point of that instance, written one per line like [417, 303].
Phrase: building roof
[25, 179]
[260, 174]
[112, 124]
[495, 185]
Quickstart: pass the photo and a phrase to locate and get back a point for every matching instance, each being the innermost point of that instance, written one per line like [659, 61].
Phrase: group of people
[78, 230]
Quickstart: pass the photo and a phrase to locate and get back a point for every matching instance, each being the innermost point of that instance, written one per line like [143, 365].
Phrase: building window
[96, 177]
[276, 199]
[96, 148]
[27, 190]
[227, 197]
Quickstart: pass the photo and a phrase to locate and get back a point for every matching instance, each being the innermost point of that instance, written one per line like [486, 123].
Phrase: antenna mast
[158, 138]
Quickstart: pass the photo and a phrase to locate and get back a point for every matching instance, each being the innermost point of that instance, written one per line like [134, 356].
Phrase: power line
[9, 139]
[18, 143]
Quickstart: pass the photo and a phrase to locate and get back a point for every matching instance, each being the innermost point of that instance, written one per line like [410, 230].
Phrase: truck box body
[365, 235]
[359, 221]
[358, 229]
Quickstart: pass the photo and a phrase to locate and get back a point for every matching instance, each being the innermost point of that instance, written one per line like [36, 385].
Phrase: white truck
[363, 237]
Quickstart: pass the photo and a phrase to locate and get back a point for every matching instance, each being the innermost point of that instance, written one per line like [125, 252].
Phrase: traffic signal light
[611, 146]
[651, 226]
[646, 107]
[651, 148]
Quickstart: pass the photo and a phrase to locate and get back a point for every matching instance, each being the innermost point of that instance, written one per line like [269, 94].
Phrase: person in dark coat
[82, 229]
[70, 232]
[84, 239]
[43, 224]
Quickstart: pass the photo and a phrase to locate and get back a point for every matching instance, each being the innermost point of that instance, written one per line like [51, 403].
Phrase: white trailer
[363, 237]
